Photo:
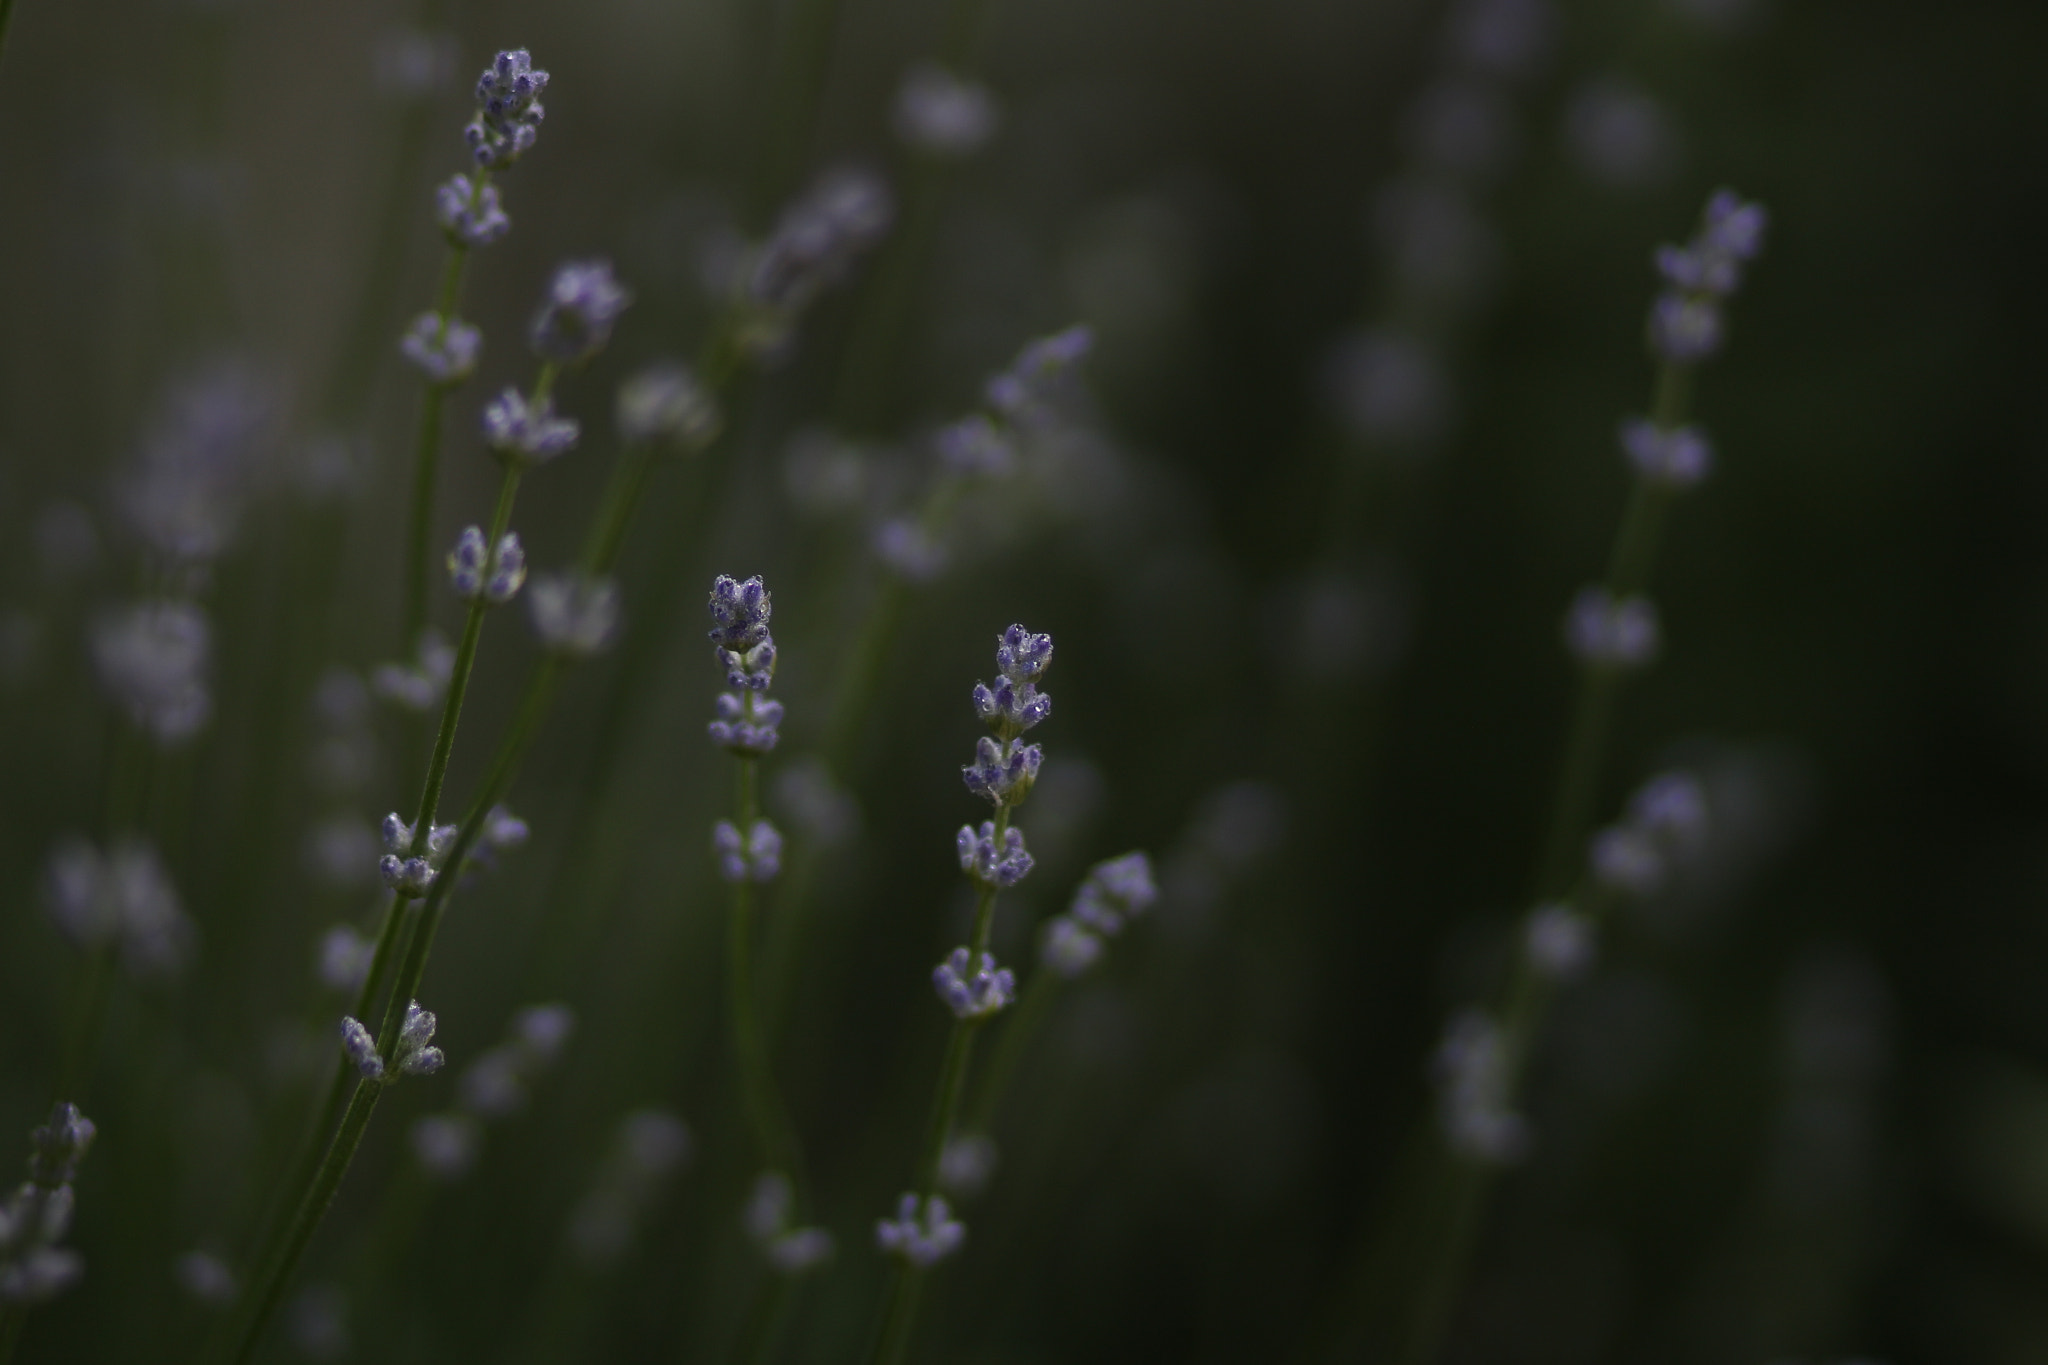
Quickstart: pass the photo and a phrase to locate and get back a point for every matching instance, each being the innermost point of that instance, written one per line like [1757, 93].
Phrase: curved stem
[306, 1219]
[1461, 1210]
[458, 682]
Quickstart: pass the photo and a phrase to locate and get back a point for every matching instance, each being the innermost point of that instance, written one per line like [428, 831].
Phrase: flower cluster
[769, 1220]
[667, 404]
[974, 994]
[576, 318]
[923, 1232]
[420, 684]
[527, 431]
[1666, 823]
[1030, 391]
[1004, 767]
[990, 862]
[495, 1086]
[1559, 942]
[123, 898]
[1115, 891]
[740, 641]
[403, 871]
[813, 244]
[1678, 458]
[468, 210]
[199, 460]
[477, 571]
[1474, 1083]
[1685, 321]
[413, 1055]
[755, 857]
[152, 661]
[35, 1217]
[574, 613]
[508, 111]
[1604, 633]
[445, 350]
[942, 115]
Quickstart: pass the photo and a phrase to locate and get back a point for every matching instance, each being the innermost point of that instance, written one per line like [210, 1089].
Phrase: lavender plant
[969, 983]
[1612, 630]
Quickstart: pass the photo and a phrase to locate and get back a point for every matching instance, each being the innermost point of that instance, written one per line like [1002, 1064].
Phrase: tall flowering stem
[487, 569]
[440, 344]
[747, 847]
[968, 982]
[1613, 630]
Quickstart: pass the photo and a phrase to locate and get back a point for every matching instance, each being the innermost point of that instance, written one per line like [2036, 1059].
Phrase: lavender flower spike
[575, 320]
[469, 212]
[445, 350]
[977, 994]
[1002, 775]
[527, 433]
[739, 634]
[923, 1232]
[1115, 890]
[509, 112]
[982, 860]
[1685, 322]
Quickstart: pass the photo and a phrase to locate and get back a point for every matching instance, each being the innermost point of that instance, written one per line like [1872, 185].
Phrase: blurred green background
[1800, 1113]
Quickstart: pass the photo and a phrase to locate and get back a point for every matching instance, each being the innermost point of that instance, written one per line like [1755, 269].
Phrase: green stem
[1526, 1000]
[6, 16]
[306, 1219]
[88, 1024]
[622, 495]
[426, 459]
[540, 689]
[1019, 1031]
[899, 1317]
[458, 682]
[773, 1135]
[12, 1317]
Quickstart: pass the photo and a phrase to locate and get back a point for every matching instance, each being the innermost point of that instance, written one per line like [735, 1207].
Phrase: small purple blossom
[1068, 949]
[991, 863]
[574, 613]
[1029, 392]
[756, 857]
[923, 1232]
[740, 612]
[746, 724]
[1605, 633]
[1115, 890]
[527, 432]
[469, 212]
[494, 577]
[445, 350]
[1022, 655]
[973, 993]
[575, 320]
[1678, 457]
[1004, 776]
[974, 446]
[509, 111]
[940, 114]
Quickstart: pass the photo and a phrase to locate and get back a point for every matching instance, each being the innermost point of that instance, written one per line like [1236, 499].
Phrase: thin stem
[772, 1133]
[88, 1024]
[427, 455]
[426, 458]
[311, 1210]
[622, 495]
[458, 682]
[899, 1317]
[13, 1317]
[1019, 1031]
[1526, 1000]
